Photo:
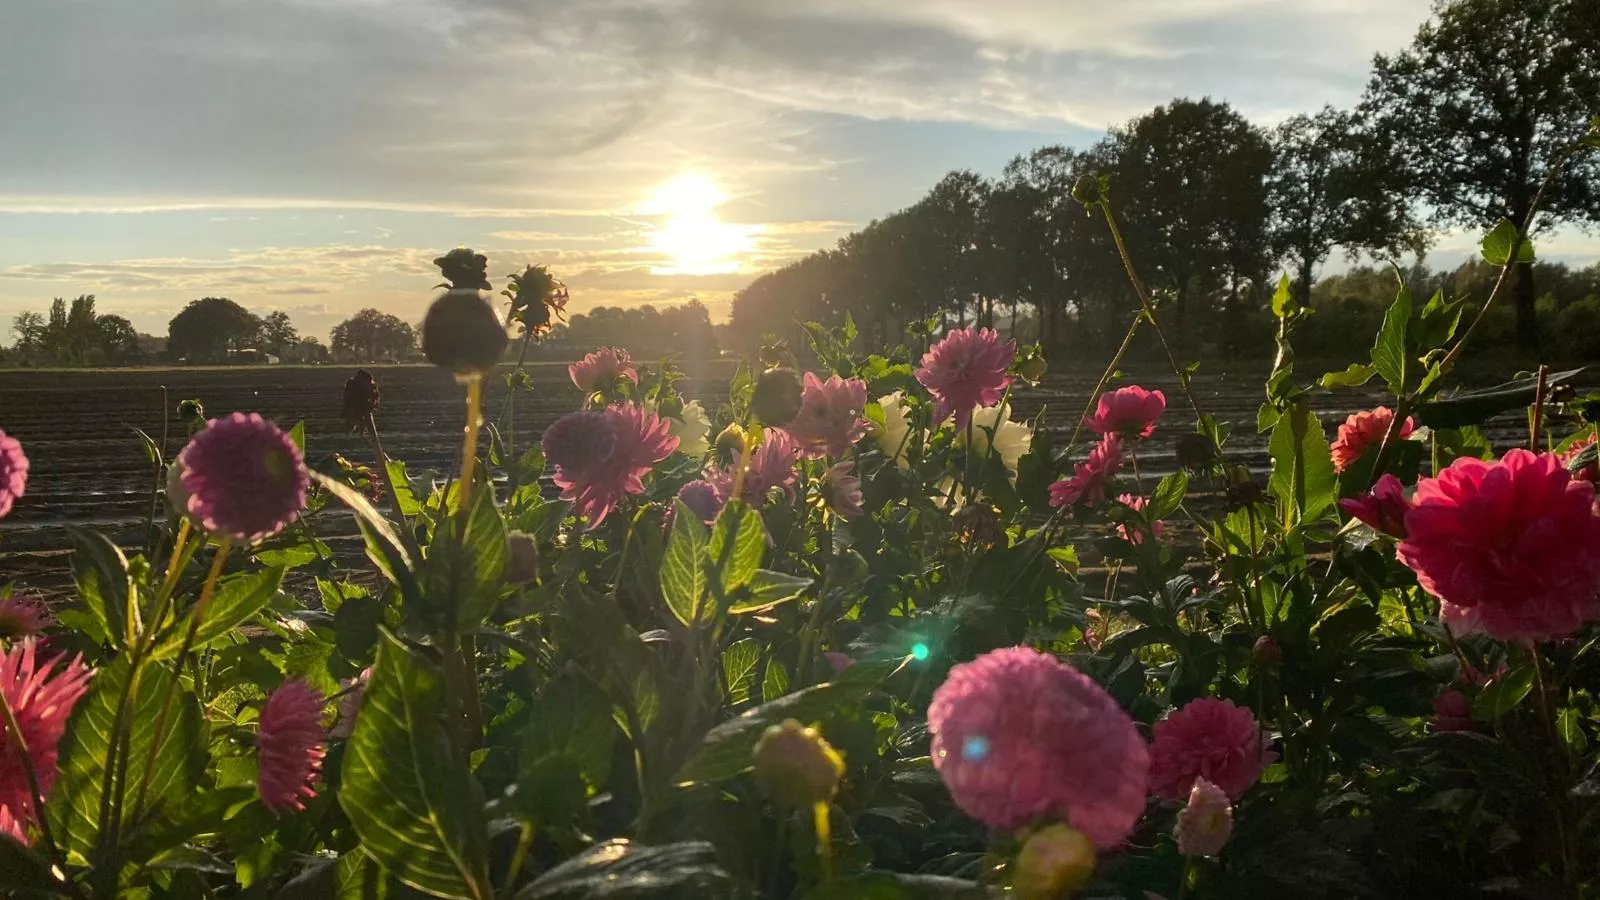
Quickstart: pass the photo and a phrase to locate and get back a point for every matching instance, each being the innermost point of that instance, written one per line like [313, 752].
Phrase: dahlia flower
[692, 428]
[992, 427]
[601, 368]
[772, 465]
[829, 422]
[1211, 739]
[22, 617]
[1516, 541]
[966, 370]
[1364, 430]
[894, 435]
[1090, 478]
[640, 439]
[244, 477]
[703, 498]
[289, 746]
[41, 697]
[13, 472]
[1206, 823]
[1136, 535]
[1020, 735]
[841, 490]
[1130, 412]
[579, 441]
[1452, 712]
[1383, 508]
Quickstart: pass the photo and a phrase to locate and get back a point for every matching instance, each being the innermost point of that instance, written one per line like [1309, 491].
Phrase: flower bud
[463, 333]
[1206, 823]
[1266, 652]
[360, 399]
[1089, 189]
[465, 270]
[776, 400]
[192, 412]
[796, 765]
[1196, 452]
[523, 563]
[1032, 369]
[730, 445]
[1452, 711]
[1054, 861]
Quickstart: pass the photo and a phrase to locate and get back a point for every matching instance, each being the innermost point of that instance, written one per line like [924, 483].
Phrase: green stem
[524, 842]
[371, 428]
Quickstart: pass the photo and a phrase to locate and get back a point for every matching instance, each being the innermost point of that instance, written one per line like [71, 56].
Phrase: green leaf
[355, 627]
[1569, 727]
[775, 682]
[1283, 298]
[684, 581]
[1302, 464]
[24, 874]
[1168, 496]
[1389, 351]
[1354, 376]
[405, 496]
[462, 575]
[298, 435]
[104, 585]
[738, 544]
[768, 589]
[1437, 322]
[727, 749]
[416, 808]
[384, 546]
[620, 869]
[74, 804]
[1503, 693]
[1475, 407]
[353, 876]
[739, 668]
[237, 599]
[573, 716]
[1498, 242]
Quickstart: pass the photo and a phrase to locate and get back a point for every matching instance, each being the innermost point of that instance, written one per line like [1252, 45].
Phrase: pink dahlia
[1463, 621]
[13, 472]
[1361, 431]
[966, 370]
[1208, 738]
[772, 465]
[580, 441]
[289, 746]
[1091, 478]
[1452, 712]
[1136, 535]
[22, 617]
[1206, 823]
[602, 367]
[1383, 508]
[703, 498]
[41, 696]
[1131, 412]
[1019, 735]
[355, 690]
[640, 439]
[829, 422]
[841, 490]
[1516, 541]
[245, 479]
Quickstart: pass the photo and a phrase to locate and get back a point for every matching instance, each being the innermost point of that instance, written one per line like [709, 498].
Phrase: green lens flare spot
[919, 651]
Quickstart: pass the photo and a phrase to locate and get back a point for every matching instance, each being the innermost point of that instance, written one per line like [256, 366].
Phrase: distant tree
[373, 336]
[117, 342]
[29, 328]
[1482, 106]
[206, 329]
[278, 334]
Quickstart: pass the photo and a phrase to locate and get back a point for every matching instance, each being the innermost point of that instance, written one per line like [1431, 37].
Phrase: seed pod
[463, 333]
[796, 766]
[776, 399]
[192, 412]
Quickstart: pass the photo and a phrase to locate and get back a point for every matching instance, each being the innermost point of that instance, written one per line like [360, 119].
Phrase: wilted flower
[463, 333]
[245, 479]
[978, 524]
[992, 427]
[639, 441]
[1208, 738]
[1206, 823]
[1130, 412]
[1196, 452]
[692, 428]
[966, 370]
[361, 397]
[41, 697]
[703, 498]
[829, 421]
[355, 690]
[22, 617]
[777, 397]
[1516, 541]
[1383, 508]
[841, 490]
[1090, 478]
[796, 765]
[894, 435]
[289, 746]
[601, 368]
[1136, 535]
[1452, 712]
[772, 465]
[13, 472]
[1019, 735]
[1053, 862]
[1362, 431]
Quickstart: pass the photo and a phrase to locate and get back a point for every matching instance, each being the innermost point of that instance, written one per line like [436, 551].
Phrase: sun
[692, 237]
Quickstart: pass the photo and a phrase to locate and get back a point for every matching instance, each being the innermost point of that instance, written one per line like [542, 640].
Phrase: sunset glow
[691, 235]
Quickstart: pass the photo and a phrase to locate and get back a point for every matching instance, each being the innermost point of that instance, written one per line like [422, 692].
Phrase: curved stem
[524, 842]
[469, 443]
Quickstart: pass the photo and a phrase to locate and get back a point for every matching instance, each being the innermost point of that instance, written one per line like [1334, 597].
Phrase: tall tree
[1481, 108]
[373, 336]
[278, 334]
[206, 329]
[116, 341]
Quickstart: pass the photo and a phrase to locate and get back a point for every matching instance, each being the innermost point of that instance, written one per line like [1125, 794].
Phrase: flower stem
[370, 426]
[524, 842]
[1538, 410]
[469, 443]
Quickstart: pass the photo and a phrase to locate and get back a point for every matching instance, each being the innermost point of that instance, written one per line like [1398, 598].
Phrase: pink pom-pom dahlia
[13, 472]
[41, 697]
[595, 485]
[244, 478]
[1362, 431]
[1019, 735]
[703, 498]
[1211, 739]
[1383, 508]
[1206, 822]
[1131, 412]
[829, 422]
[602, 367]
[290, 744]
[1092, 477]
[1515, 541]
[966, 370]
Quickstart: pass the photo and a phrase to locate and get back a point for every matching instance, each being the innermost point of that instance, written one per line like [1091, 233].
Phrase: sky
[314, 156]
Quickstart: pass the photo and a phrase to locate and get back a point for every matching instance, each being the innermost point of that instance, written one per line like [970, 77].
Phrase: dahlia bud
[776, 400]
[1089, 189]
[730, 444]
[464, 270]
[522, 566]
[1243, 489]
[1055, 861]
[360, 399]
[1206, 823]
[797, 766]
[1196, 452]
[1032, 369]
[192, 412]
[772, 355]
[463, 333]
[1266, 652]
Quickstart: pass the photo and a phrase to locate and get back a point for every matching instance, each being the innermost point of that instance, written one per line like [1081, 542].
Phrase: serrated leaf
[775, 683]
[417, 809]
[1354, 376]
[684, 581]
[1502, 694]
[237, 599]
[1168, 496]
[737, 546]
[620, 869]
[1436, 323]
[104, 585]
[405, 496]
[739, 668]
[1302, 465]
[1497, 245]
[1389, 352]
[572, 715]
[768, 589]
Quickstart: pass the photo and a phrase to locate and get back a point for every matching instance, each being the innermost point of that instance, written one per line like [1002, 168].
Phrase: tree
[206, 329]
[1481, 109]
[373, 336]
[278, 334]
[116, 341]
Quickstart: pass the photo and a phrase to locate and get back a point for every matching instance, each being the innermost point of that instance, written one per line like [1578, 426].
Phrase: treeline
[645, 331]
[1484, 111]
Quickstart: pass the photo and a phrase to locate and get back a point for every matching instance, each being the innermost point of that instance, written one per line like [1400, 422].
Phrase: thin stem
[1105, 378]
[1538, 411]
[1149, 306]
[370, 426]
[524, 841]
[1564, 833]
[469, 443]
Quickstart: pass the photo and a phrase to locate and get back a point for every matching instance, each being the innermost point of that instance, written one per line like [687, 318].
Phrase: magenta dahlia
[772, 465]
[1136, 535]
[1131, 412]
[966, 370]
[13, 472]
[41, 696]
[829, 422]
[1092, 477]
[841, 490]
[244, 477]
[1383, 508]
[640, 439]
[290, 744]
[602, 367]
[1211, 739]
[1019, 735]
[579, 441]
[22, 617]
